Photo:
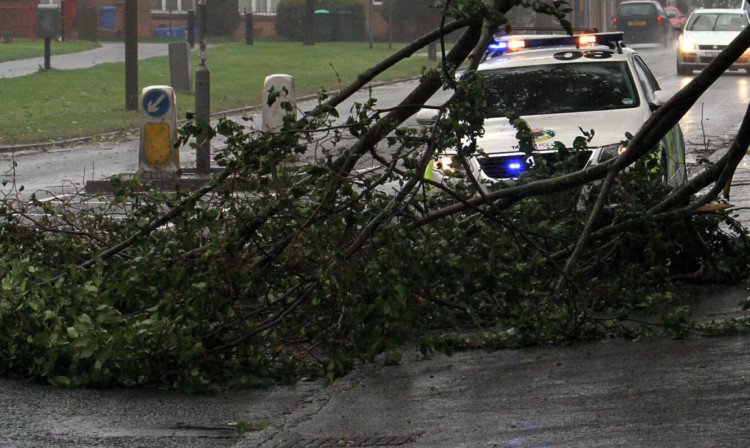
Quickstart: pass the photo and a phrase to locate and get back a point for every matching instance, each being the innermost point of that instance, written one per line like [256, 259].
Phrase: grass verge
[60, 104]
[13, 51]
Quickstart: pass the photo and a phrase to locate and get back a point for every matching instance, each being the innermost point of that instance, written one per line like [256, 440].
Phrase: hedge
[290, 17]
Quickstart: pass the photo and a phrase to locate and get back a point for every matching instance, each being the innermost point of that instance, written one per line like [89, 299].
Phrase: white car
[706, 33]
[561, 85]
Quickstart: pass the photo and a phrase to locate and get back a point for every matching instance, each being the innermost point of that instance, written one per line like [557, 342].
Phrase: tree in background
[411, 18]
[290, 17]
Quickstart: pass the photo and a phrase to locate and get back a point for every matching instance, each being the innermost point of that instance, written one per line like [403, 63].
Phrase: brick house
[156, 18]
[168, 18]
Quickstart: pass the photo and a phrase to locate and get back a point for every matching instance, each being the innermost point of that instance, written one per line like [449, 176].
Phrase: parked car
[643, 22]
[561, 85]
[676, 16]
[706, 34]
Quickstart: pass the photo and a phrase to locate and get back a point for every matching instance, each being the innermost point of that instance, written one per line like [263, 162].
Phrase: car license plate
[637, 23]
[712, 54]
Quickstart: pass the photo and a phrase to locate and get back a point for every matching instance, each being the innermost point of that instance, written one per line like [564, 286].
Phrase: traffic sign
[157, 151]
[156, 103]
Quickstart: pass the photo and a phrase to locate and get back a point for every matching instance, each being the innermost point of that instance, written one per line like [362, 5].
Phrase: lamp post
[202, 96]
[131, 54]
[371, 20]
[309, 38]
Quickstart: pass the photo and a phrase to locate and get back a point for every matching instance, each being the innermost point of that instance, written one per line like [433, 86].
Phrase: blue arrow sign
[156, 103]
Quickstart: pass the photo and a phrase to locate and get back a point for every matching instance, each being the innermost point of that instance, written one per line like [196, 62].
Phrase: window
[560, 88]
[638, 9]
[259, 6]
[646, 78]
[172, 5]
[718, 22]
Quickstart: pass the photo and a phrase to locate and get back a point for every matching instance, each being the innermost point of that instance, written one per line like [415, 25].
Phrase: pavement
[107, 53]
[611, 393]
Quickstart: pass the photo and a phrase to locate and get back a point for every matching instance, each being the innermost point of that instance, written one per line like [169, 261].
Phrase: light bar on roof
[516, 44]
[511, 43]
[586, 39]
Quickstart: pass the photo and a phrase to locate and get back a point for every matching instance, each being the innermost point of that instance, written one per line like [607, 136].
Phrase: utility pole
[309, 23]
[202, 96]
[131, 54]
[390, 25]
[371, 20]
[62, 20]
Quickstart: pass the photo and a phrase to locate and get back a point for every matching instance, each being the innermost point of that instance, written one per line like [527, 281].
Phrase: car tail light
[614, 20]
[659, 21]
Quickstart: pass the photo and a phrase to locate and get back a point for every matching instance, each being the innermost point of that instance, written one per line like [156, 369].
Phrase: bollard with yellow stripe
[157, 152]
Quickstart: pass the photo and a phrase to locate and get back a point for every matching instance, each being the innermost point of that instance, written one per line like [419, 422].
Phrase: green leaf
[59, 381]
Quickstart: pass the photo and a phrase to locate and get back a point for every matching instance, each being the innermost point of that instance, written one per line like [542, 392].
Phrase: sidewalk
[107, 53]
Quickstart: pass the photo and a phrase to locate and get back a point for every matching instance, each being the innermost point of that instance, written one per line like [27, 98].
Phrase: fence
[18, 20]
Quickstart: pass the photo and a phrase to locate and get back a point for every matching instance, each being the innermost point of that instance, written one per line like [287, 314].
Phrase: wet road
[708, 127]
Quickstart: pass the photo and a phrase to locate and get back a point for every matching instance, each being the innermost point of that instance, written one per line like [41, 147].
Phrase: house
[104, 19]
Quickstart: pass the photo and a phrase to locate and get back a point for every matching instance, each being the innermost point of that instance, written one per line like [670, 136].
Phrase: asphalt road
[610, 394]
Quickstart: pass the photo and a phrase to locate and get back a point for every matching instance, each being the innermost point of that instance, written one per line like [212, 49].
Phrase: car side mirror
[660, 97]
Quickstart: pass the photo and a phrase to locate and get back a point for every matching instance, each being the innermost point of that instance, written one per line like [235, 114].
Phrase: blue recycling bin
[107, 17]
[179, 32]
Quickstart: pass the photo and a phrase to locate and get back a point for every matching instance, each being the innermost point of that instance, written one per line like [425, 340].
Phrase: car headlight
[609, 151]
[687, 44]
[447, 163]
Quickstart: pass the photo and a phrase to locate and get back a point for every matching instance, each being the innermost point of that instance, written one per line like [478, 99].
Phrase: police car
[561, 85]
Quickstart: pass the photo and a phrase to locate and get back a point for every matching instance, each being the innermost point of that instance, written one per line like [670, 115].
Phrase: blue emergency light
[498, 46]
[515, 166]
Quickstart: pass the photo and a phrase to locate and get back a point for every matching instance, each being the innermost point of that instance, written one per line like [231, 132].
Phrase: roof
[546, 56]
[719, 11]
[641, 1]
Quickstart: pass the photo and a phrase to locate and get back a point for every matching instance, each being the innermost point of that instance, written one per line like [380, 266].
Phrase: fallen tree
[265, 274]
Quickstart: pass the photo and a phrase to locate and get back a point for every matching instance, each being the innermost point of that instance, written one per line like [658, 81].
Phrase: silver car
[706, 34]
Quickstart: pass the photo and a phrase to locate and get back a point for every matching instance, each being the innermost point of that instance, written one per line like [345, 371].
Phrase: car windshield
[637, 9]
[559, 88]
[717, 22]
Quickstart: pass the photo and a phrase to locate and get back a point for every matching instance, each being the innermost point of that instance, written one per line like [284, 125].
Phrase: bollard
[273, 115]
[47, 26]
[179, 66]
[157, 153]
[191, 28]
[249, 28]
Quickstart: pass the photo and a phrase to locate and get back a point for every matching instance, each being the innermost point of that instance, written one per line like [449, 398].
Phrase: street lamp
[202, 96]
